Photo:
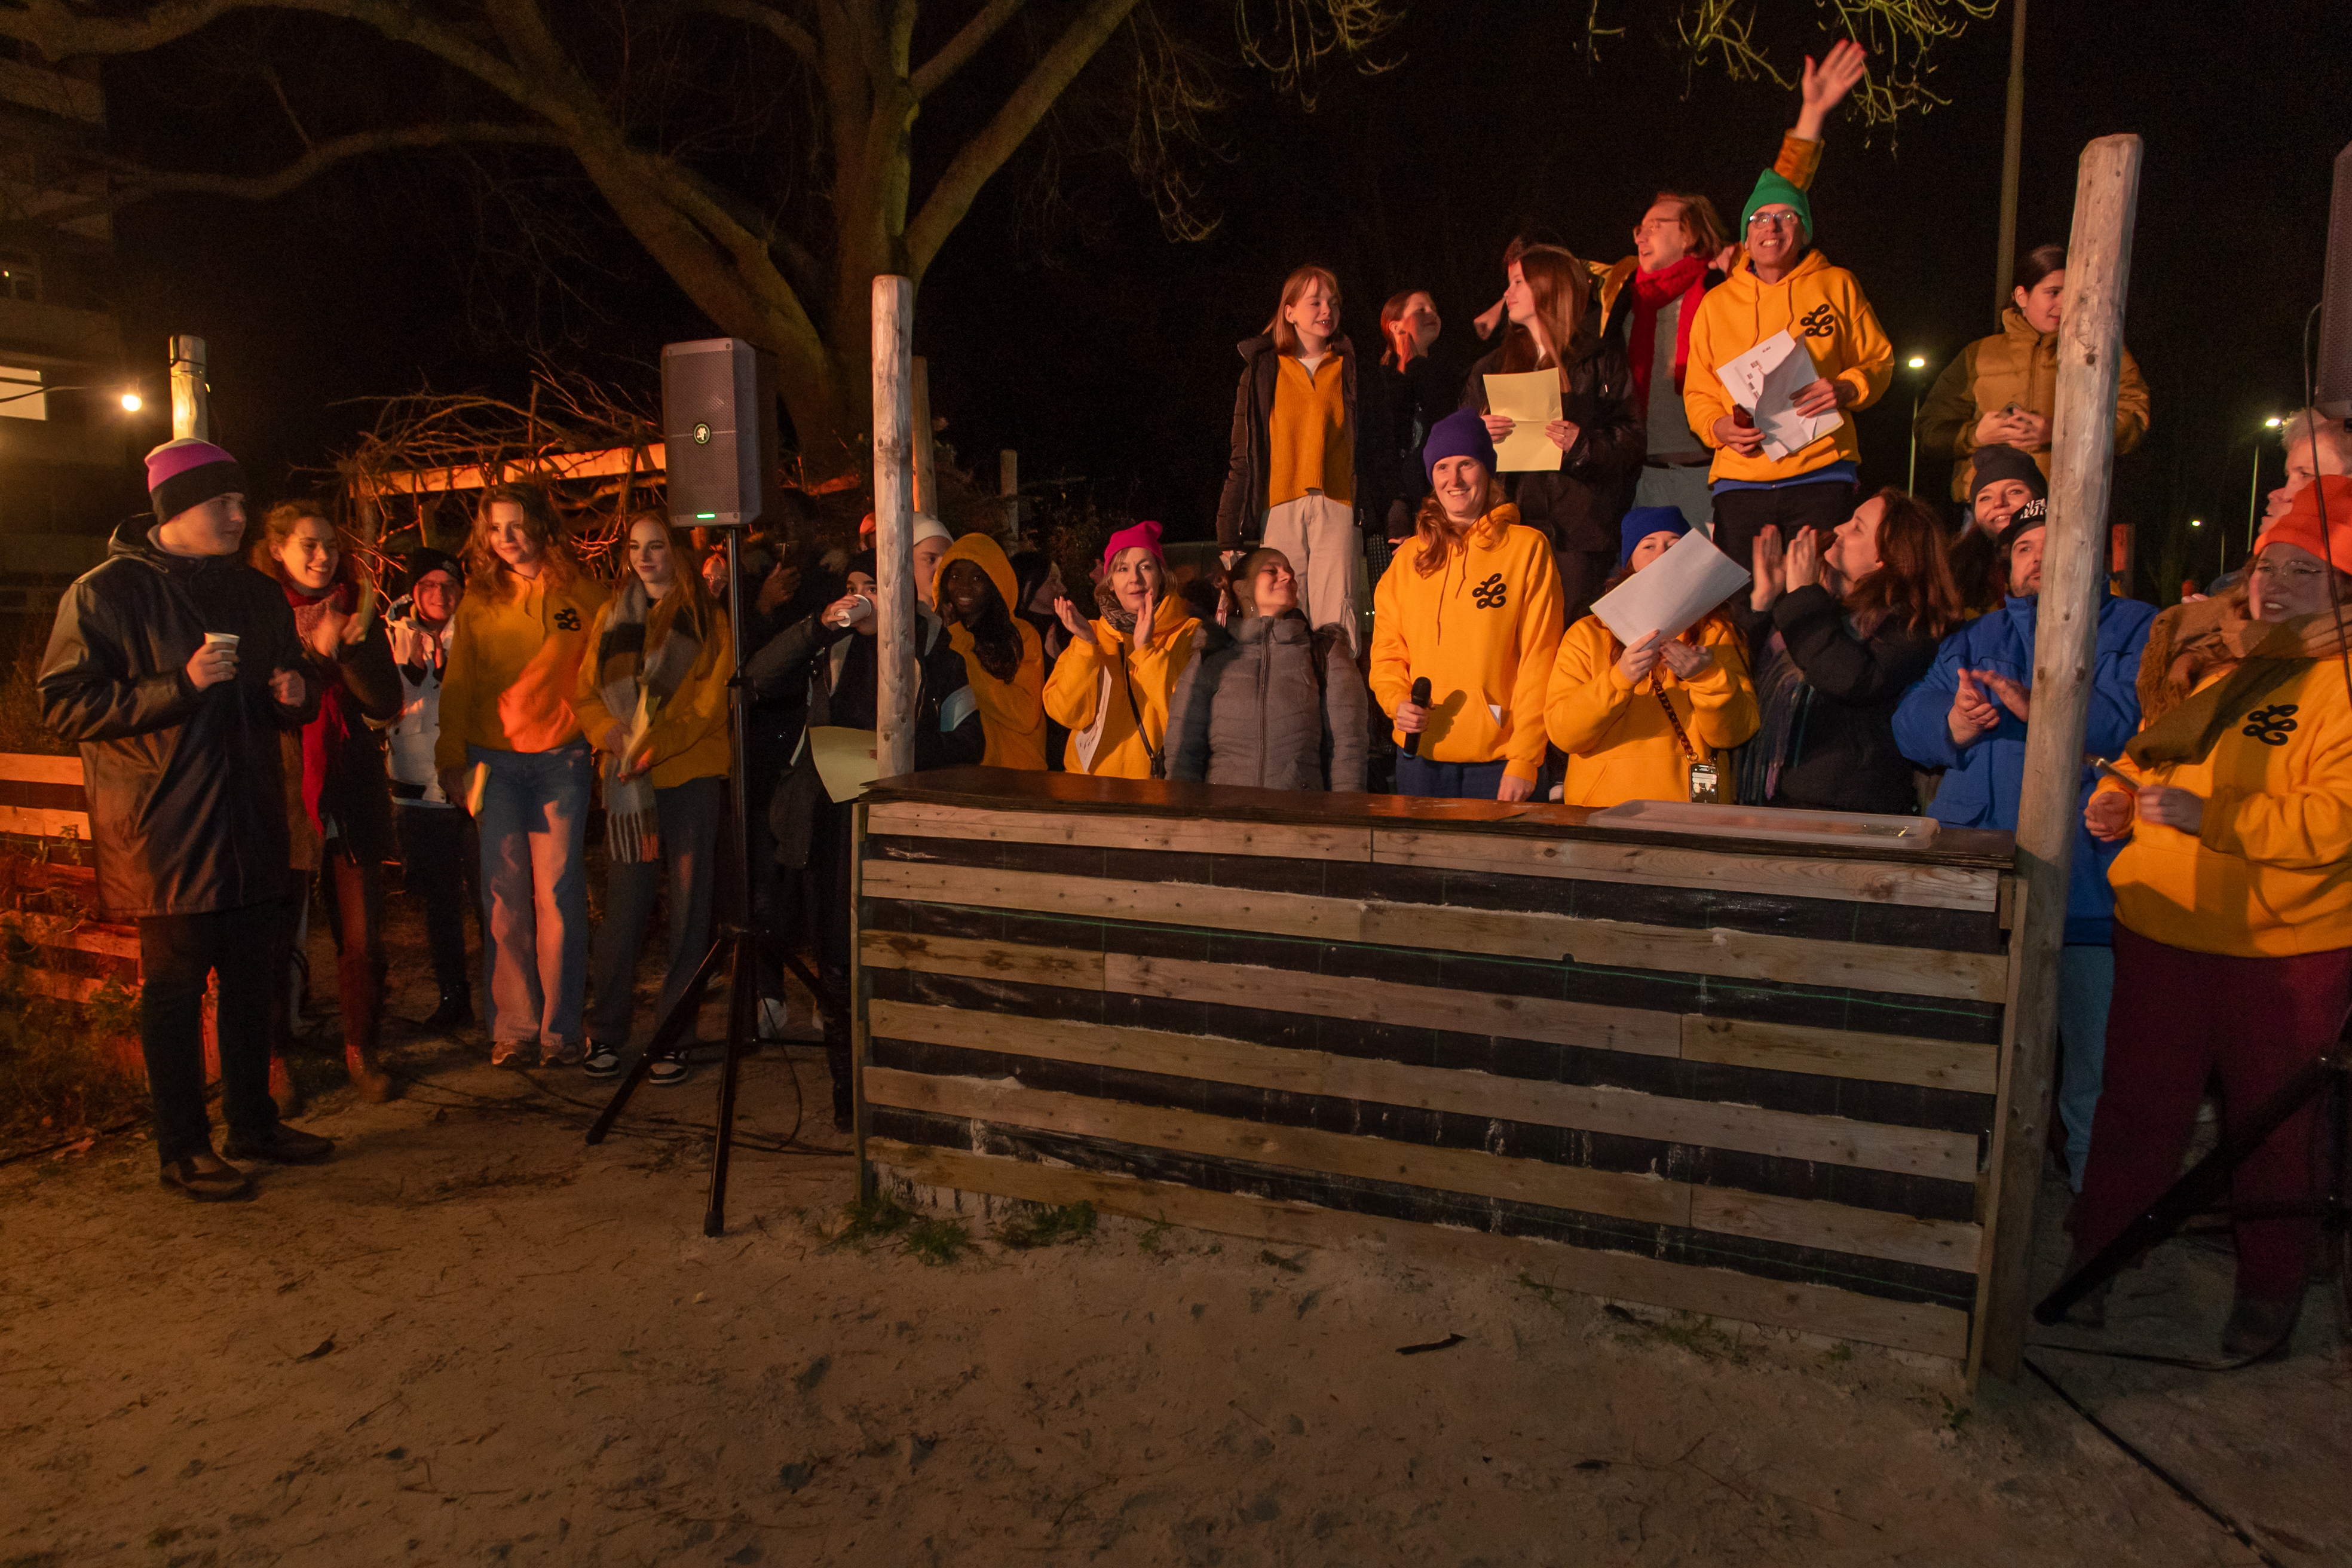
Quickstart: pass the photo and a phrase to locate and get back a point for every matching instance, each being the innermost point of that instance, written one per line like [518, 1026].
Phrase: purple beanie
[1140, 536]
[187, 473]
[1462, 433]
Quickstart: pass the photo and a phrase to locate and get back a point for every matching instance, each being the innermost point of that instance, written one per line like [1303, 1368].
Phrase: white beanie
[930, 527]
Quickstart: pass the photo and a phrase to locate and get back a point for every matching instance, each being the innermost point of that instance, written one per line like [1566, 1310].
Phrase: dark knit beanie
[861, 562]
[1645, 521]
[424, 561]
[2034, 514]
[1998, 462]
[1461, 434]
[187, 473]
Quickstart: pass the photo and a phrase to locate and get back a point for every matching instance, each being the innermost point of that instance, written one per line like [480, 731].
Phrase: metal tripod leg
[742, 999]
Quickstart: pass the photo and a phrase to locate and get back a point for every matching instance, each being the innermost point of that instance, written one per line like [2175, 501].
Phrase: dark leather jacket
[187, 794]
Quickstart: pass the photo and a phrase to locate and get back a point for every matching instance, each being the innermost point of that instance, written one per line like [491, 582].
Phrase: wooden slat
[1733, 954]
[982, 960]
[1814, 1309]
[1649, 1199]
[64, 987]
[1841, 1052]
[1929, 887]
[31, 767]
[1870, 1233]
[66, 931]
[40, 822]
[1950, 1156]
[1393, 1002]
[1200, 835]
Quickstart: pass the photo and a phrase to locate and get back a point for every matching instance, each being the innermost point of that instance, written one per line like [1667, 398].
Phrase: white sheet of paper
[1673, 593]
[845, 760]
[1533, 401]
[1765, 381]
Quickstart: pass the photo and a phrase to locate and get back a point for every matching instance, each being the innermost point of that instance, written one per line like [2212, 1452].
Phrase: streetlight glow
[1919, 362]
[132, 403]
[2272, 423]
[2196, 523]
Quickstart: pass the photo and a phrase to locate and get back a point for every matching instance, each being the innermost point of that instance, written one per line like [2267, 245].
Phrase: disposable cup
[221, 639]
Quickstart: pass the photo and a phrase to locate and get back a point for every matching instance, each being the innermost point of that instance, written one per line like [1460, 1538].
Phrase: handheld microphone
[1420, 699]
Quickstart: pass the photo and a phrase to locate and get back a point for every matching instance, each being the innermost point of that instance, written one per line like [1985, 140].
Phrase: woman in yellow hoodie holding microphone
[1645, 722]
[1783, 285]
[1465, 623]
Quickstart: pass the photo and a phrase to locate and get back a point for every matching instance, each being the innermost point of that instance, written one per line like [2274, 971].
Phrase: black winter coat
[187, 794]
[1411, 400]
[1842, 755]
[1241, 510]
[1579, 507]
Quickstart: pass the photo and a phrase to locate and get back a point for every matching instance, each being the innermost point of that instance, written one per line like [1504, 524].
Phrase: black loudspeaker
[2334, 372]
[718, 427]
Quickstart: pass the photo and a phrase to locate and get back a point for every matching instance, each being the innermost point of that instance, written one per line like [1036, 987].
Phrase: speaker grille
[718, 428]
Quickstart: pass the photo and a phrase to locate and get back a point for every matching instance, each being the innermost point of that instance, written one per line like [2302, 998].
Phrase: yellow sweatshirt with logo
[687, 739]
[1620, 746]
[1822, 308]
[2269, 872]
[514, 664]
[1482, 629]
[1086, 693]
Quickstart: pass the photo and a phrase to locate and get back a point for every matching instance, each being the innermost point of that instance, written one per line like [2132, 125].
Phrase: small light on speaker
[704, 516]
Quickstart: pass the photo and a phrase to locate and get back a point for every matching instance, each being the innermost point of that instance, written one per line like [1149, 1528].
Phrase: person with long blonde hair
[652, 698]
[1575, 507]
[1300, 469]
[510, 747]
[1471, 605]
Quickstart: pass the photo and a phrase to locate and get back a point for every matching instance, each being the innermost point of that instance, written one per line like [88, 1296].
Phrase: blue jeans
[2087, 983]
[535, 960]
[1448, 780]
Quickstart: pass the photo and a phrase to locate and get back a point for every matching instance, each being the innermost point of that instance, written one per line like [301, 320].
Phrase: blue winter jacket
[1982, 783]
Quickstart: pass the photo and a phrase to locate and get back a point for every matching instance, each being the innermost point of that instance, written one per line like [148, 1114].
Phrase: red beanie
[1140, 536]
[2301, 523]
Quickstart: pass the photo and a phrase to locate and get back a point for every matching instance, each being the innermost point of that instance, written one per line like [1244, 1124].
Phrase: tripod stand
[738, 944]
[2326, 1079]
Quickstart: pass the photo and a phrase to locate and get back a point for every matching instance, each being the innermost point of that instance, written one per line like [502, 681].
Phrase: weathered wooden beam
[894, 524]
[2066, 629]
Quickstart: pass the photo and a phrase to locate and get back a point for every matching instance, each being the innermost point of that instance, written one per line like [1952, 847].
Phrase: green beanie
[1770, 189]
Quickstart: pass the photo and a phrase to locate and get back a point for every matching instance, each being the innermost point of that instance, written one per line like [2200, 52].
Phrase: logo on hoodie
[567, 619]
[2271, 726]
[1818, 322]
[1493, 594]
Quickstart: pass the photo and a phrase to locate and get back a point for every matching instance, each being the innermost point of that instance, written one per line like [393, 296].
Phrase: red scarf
[322, 737]
[1685, 280]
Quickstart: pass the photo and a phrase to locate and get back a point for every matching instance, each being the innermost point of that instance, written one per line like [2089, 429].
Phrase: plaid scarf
[635, 683]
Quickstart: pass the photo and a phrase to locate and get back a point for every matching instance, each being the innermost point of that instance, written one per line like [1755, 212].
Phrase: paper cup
[221, 639]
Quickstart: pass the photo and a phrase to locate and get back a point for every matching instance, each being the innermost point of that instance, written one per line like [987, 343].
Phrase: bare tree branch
[985, 153]
[933, 72]
[782, 28]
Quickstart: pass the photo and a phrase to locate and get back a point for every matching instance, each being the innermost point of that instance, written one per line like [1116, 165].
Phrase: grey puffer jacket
[1250, 710]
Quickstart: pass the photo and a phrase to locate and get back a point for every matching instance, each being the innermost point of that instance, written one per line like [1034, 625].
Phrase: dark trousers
[440, 866]
[822, 889]
[1582, 574]
[2180, 1019]
[1741, 515]
[688, 819]
[176, 955]
[1448, 780]
[354, 895]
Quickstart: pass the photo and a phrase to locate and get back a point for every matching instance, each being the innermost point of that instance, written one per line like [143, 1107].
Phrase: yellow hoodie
[514, 664]
[1799, 161]
[2269, 874]
[1086, 693]
[688, 738]
[1619, 744]
[1012, 713]
[1483, 630]
[1822, 308]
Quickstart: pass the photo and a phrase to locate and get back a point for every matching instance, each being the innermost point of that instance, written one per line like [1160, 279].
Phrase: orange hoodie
[1012, 713]
[514, 665]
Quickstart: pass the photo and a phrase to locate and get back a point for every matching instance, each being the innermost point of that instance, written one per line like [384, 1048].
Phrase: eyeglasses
[1652, 224]
[1773, 220]
[2288, 572]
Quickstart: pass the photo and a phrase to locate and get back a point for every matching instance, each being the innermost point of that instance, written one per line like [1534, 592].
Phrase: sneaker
[602, 1061]
[560, 1054]
[2259, 1329]
[507, 1054]
[206, 1179]
[775, 1018]
[283, 1145]
[667, 1071]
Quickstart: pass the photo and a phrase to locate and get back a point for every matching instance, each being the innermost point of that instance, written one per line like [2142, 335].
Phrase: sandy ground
[473, 1338]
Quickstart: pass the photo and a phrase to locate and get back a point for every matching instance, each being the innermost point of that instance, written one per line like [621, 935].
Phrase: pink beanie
[1140, 536]
[187, 473]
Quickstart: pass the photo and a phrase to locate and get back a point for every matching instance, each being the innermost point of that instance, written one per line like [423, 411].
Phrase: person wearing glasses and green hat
[1783, 284]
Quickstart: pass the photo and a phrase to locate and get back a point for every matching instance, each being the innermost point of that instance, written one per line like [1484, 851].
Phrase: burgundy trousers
[2181, 1018]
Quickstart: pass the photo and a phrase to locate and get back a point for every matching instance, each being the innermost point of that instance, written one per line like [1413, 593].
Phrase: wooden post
[1008, 485]
[191, 398]
[894, 524]
[2066, 630]
[2013, 154]
[926, 488]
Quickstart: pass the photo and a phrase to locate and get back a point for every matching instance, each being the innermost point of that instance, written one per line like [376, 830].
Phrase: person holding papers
[1465, 623]
[1645, 721]
[1785, 448]
[1574, 472]
[653, 698]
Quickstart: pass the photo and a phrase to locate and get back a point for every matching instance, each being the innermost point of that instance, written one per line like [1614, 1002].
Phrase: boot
[2258, 1328]
[282, 1090]
[375, 1085]
[455, 1011]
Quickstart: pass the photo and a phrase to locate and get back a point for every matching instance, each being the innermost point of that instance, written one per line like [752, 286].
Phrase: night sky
[1079, 335]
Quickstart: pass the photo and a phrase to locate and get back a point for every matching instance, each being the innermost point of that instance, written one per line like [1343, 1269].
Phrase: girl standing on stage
[1472, 608]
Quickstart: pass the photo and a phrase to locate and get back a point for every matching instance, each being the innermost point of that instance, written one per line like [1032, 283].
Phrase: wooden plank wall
[1731, 1082]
